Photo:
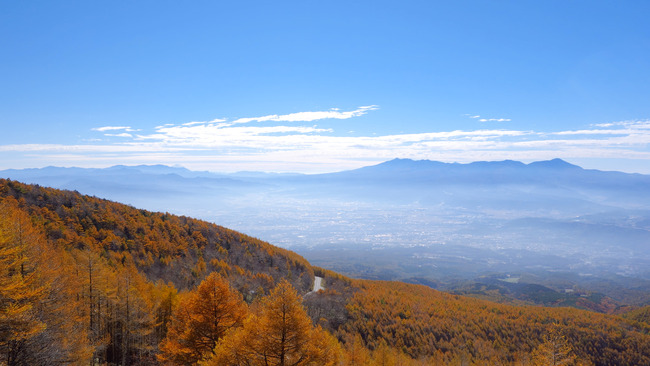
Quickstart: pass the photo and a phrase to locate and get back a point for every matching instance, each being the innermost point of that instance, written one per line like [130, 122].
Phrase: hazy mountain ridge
[552, 177]
[505, 216]
[552, 174]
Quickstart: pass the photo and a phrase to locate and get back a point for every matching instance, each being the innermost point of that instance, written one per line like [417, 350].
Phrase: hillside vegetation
[84, 279]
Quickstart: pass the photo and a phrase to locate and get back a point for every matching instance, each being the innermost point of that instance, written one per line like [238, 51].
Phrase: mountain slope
[162, 246]
[423, 321]
[116, 256]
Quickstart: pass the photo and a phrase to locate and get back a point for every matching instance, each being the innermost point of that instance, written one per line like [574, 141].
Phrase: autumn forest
[87, 281]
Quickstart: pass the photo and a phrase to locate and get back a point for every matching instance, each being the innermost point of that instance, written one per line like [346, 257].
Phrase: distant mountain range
[552, 187]
[506, 215]
[551, 173]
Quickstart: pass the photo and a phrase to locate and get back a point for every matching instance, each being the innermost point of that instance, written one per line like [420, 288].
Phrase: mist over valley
[420, 221]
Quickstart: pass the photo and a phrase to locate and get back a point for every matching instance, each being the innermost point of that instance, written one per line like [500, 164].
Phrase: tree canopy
[278, 333]
[202, 317]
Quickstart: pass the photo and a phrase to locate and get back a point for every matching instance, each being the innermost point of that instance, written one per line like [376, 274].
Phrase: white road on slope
[317, 284]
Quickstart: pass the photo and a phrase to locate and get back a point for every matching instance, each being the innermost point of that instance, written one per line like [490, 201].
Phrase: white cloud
[494, 119]
[114, 128]
[310, 116]
[216, 120]
[111, 128]
[592, 132]
[476, 116]
[306, 147]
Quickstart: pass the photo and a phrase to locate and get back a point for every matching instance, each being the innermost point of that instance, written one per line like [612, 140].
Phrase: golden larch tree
[356, 352]
[20, 287]
[555, 350]
[200, 320]
[278, 333]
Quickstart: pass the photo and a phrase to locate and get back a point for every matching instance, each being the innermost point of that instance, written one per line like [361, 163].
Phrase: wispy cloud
[333, 113]
[494, 120]
[483, 119]
[291, 142]
[114, 128]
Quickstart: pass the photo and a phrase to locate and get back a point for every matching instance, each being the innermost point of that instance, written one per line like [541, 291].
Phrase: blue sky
[314, 86]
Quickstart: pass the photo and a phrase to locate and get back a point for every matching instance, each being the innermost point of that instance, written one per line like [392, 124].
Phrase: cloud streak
[483, 119]
[310, 116]
[494, 120]
[114, 128]
[290, 142]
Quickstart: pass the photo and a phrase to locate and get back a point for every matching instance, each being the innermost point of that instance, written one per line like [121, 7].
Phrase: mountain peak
[408, 164]
[553, 164]
[556, 163]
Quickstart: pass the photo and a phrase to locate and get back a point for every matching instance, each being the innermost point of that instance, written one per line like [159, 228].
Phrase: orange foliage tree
[200, 320]
[356, 352]
[39, 323]
[554, 351]
[20, 287]
[279, 333]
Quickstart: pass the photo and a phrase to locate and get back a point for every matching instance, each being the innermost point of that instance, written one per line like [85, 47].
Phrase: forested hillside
[422, 322]
[164, 247]
[90, 281]
[115, 272]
